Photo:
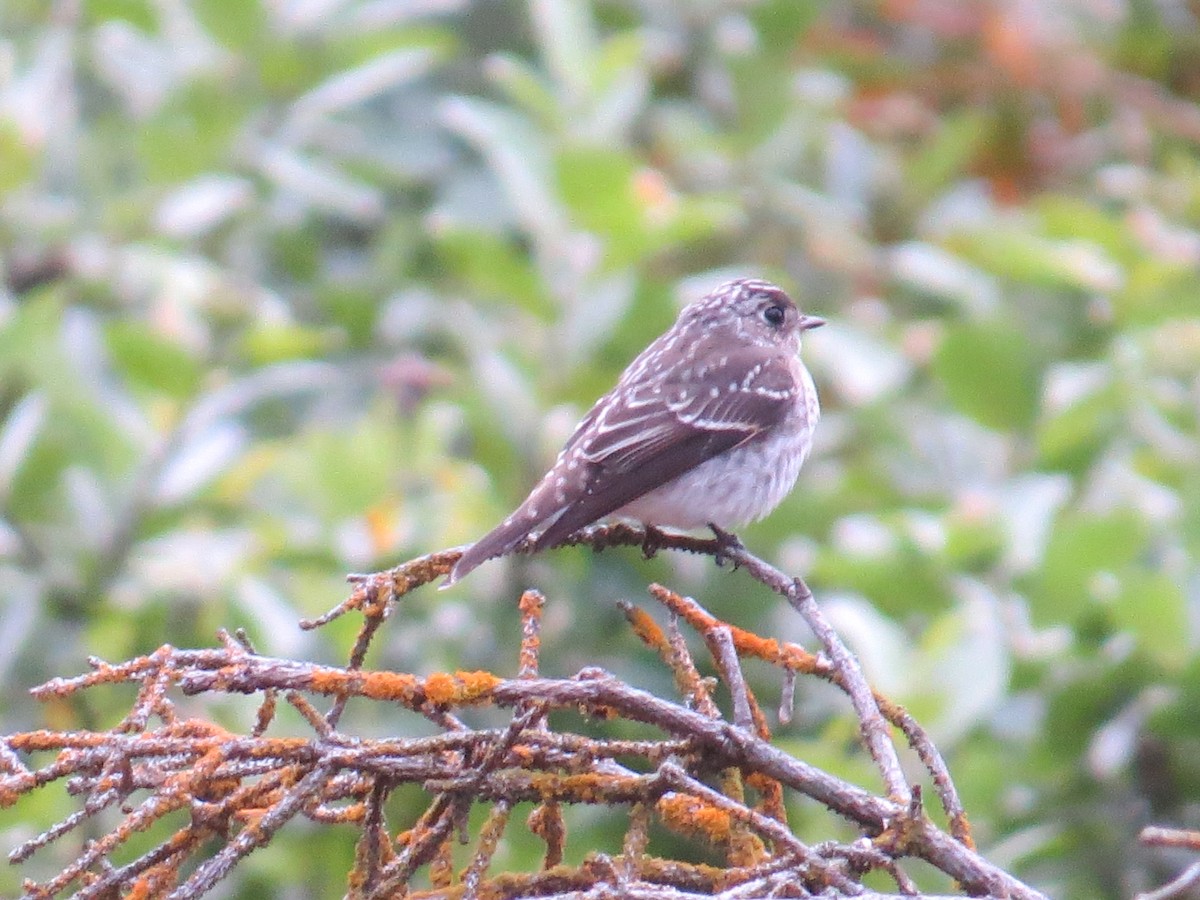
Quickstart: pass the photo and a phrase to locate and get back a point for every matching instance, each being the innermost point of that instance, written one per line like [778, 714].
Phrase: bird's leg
[653, 540]
[728, 545]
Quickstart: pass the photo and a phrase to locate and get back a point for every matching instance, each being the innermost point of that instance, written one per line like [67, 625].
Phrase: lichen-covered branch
[693, 775]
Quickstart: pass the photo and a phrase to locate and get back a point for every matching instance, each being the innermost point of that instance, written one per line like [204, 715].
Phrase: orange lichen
[546, 821]
[691, 815]
[770, 793]
[645, 627]
[747, 643]
[460, 687]
[584, 788]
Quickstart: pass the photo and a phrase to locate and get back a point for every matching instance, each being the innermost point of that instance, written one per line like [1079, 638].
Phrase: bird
[708, 426]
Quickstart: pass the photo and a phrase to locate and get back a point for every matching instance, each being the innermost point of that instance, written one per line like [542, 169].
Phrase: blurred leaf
[493, 267]
[266, 344]
[136, 12]
[1146, 47]
[17, 160]
[190, 134]
[285, 67]
[620, 58]
[322, 184]
[525, 86]
[1157, 290]
[597, 185]
[967, 660]
[1151, 606]
[1081, 548]
[18, 433]
[1179, 720]
[567, 36]
[1071, 438]
[296, 253]
[935, 271]
[353, 309]
[517, 156]
[199, 462]
[1031, 259]
[379, 76]
[78, 431]
[1080, 705]
[766, 99]
[203, 205]
[345, 473]
[899, 582]
[238, 24]
[1075, 218]
[152, 360]
[944, 157]
[353, 47]
[782, 23]
[973, 545]
[698, 219]
[990, 373]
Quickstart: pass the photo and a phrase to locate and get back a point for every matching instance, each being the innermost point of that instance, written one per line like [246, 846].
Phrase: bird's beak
[807, 322]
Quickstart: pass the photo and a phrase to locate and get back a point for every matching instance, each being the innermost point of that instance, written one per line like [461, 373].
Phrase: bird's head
[754, 310]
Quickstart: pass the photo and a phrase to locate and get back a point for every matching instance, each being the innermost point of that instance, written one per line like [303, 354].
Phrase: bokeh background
[291, 289]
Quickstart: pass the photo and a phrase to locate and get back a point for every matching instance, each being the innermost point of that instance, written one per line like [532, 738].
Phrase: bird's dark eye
[774, 315]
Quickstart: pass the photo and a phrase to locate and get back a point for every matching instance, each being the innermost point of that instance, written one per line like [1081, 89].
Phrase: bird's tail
[497, 542]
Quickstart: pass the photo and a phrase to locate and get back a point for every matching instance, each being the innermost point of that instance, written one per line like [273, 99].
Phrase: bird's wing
[649, 435]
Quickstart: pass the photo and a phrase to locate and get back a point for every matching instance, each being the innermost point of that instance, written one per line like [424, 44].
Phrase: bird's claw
[729, 546]
[652, 541]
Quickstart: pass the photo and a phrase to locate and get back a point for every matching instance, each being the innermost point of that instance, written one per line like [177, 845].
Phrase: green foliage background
[296, 289]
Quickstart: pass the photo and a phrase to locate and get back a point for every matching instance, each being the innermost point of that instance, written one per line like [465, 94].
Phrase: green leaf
[1070, 439]
[1081, 548]
[16, 158]
[1072, 218]
[265, 344]
[973, 545]
[1152, 607]
[525, 86]
[898, 582]
[597, 184]
[190, 135]
[780, 24]
[568, 41]
[515, 152]
[1156, 290]
[494, 266]
[136, 12]
[352, 309]
[620, 56]
[989, 373]
[1032, 259]
[346, 473]
[239, 24]
[944, 157]
[153, 361]
[78, 431]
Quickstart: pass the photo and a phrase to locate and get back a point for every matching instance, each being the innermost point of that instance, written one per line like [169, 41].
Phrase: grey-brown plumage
[709, 425]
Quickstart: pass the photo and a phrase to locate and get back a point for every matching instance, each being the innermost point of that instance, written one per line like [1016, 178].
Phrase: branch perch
[691, 776]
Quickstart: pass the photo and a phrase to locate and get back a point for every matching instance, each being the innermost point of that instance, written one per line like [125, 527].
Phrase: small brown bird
[708, 426]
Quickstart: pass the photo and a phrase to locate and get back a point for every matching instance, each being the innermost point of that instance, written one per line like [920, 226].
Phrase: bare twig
[1174, 838]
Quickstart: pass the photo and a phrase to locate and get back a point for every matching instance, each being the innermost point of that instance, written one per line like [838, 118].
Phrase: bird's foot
[729, 545]
[653, 541]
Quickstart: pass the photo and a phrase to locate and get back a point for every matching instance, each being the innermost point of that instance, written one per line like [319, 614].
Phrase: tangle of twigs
[720, 783]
